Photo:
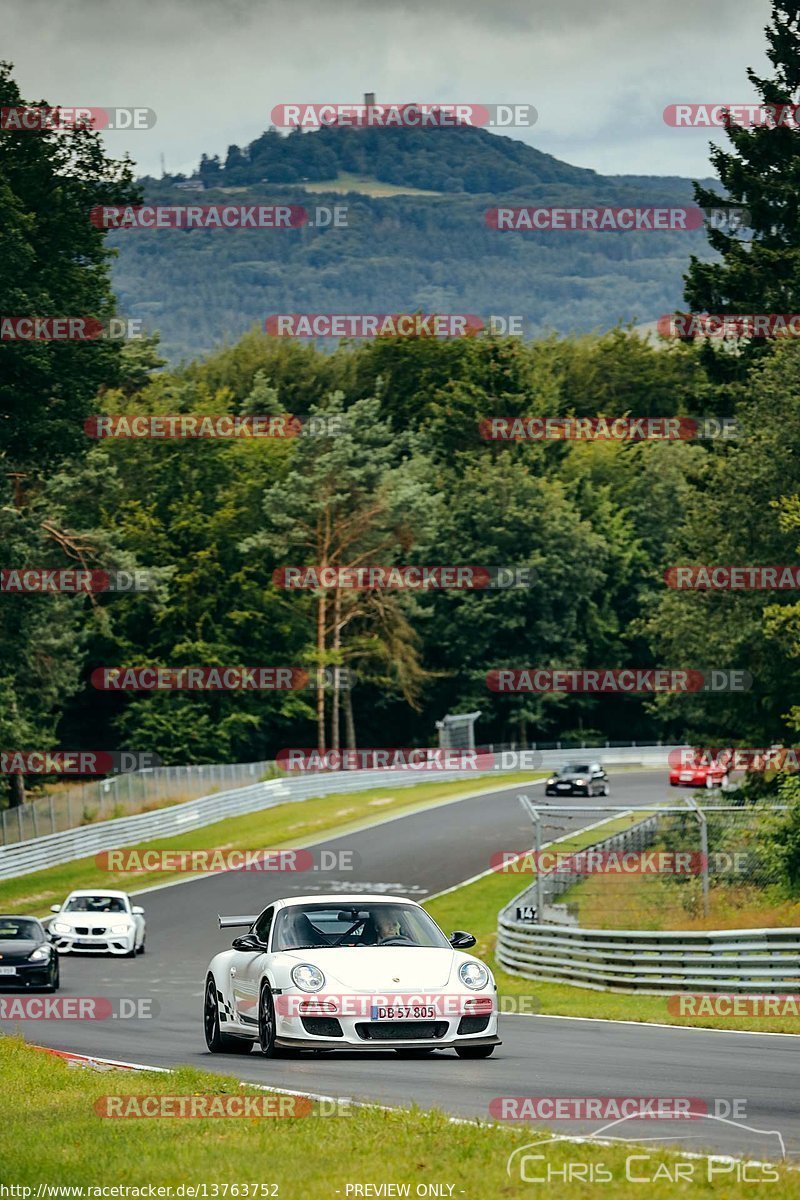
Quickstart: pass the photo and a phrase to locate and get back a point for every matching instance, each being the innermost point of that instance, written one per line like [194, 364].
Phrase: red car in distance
[698, 771]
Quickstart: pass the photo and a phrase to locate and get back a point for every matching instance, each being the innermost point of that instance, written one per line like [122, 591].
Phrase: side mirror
[461, 941]
[248, 941]
[55, 908]
[137, 910]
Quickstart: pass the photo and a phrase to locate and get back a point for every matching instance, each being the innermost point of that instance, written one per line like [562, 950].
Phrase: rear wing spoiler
[234, 922]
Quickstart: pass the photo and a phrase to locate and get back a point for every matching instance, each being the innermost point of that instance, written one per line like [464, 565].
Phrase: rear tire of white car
[474, 1051]
[266, 1022]
[218, 1042]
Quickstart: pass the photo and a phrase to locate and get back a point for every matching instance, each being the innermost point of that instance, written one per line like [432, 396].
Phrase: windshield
[19, 927]
[574, 769]
[95, 904]
[316, 926]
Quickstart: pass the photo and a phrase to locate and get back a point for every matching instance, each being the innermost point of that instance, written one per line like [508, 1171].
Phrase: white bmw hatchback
[101, 921]
[348, 973]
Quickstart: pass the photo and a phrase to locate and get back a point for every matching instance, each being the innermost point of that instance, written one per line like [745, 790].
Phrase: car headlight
[60, 927]
[40, 954]
[474, 975]
[125, 927]
[580, 782]
[307, 977]
[552, 779]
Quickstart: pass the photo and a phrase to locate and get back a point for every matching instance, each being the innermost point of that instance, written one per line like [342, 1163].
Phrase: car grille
[400, 1031]
[84, 930]
[472, 1024]
[322, 1026]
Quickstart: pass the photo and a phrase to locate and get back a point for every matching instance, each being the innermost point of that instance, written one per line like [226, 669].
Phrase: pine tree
[761, 172]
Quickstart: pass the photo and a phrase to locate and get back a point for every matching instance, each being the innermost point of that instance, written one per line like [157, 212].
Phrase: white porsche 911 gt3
[348, 972]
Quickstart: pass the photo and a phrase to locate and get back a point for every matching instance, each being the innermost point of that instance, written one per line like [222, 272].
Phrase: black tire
[474, 1051]
[141, 948]
[218, 1042]
[266, 1022]
[56, 978]
[414, 1051]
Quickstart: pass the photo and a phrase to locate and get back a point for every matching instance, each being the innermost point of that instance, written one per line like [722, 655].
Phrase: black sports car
[28, 960]
[578, 779]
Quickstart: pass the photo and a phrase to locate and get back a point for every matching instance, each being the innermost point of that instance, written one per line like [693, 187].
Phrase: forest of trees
[407, 479]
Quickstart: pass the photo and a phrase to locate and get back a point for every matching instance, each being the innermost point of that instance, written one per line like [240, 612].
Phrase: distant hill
[428, 248]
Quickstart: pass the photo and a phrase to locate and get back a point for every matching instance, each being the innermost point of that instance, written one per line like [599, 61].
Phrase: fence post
[537, 842]
[704, 857]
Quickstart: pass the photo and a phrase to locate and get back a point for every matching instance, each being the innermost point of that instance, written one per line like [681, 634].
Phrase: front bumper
[27, 975]
[93, 943]
[315, 1043]
[331, 1030]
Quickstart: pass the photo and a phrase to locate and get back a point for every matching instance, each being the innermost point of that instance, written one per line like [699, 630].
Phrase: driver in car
[386, 927]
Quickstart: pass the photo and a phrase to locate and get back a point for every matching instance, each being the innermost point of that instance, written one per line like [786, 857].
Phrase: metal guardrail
[34, 854]
[21, 858]
[629, 960]
[82, 803]
[741, 961]
[72, 805]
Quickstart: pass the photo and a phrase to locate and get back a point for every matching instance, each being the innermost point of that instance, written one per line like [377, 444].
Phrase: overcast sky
[599, 74]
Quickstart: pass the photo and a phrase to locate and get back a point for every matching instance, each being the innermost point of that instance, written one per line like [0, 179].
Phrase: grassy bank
[285, 825]
[311, 1157]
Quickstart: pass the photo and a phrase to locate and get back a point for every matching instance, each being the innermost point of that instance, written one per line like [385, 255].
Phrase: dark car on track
[578, 779]
[28, 960]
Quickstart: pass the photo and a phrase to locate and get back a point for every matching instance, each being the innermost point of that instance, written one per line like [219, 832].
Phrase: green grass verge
[57, 1137]
[475, 906]
[285, 825]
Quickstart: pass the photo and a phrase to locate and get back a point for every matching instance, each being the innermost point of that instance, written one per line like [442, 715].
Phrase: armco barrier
[629, 960]
[20, 858]
[34, 854]
[654, 963]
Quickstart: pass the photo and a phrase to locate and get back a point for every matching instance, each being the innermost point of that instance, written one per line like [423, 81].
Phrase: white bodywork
[98, 920]
[357, 980]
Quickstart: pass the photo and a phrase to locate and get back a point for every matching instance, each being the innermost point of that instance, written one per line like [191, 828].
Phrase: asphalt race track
[419, 855]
